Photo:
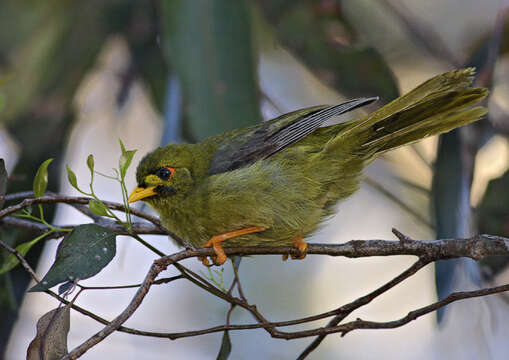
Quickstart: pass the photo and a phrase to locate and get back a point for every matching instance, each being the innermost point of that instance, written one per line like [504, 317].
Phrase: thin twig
[156, 282]
[475, 247]
[360, 324]
[21, 259]
[29, 200]
[143, 228]
[155, 269]
[354, 325]
[83, 311]
[161, 264]
[237, 280]
[364, 300]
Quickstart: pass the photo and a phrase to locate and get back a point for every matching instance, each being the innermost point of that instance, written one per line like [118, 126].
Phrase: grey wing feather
[271, 137]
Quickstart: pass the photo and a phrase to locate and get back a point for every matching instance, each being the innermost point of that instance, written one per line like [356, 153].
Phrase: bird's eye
[165, 173]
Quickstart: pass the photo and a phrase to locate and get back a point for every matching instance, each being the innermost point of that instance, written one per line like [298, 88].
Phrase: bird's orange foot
[216, 240]
[300, 245]
[204, 261]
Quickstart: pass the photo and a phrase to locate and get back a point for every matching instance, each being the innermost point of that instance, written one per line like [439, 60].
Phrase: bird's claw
[300, 245]
[204, 260]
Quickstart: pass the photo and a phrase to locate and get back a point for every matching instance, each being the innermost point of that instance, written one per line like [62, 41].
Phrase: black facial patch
[165, 190]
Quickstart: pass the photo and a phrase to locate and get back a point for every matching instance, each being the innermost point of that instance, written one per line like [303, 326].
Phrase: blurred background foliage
[212, 65]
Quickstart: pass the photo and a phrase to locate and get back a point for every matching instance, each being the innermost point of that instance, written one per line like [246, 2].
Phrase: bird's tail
[439, 105]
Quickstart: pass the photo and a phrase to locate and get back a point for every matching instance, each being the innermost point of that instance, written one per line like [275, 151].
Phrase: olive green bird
[272, 184]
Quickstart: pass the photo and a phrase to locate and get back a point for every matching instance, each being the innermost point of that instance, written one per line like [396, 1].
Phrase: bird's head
[163, 175]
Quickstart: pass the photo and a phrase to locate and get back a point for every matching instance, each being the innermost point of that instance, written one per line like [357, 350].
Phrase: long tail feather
[433, 115]
[437, 106]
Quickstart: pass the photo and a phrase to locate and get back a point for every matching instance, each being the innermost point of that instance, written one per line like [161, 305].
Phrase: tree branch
[475, 247]
[29, 200]
[142, 228]
[364, 300]
[427, 251]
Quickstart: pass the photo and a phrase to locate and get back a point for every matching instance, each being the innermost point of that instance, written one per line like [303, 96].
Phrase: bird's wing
[268, 138]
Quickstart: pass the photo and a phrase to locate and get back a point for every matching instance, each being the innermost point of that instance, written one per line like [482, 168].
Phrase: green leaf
[41, 179]
[90, 163]
[82, 254]
[71, 176]
[97, 207]
[3, 182]
[51, 338]
[125, 159]
[218, 73]
[226, 347]
[122, 147]
[23, 249]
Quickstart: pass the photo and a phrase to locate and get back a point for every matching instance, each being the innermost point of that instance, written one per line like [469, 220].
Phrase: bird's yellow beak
[141, 193]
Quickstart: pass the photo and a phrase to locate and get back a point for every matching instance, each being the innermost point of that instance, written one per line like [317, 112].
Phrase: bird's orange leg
[216, 240]
[301, 245]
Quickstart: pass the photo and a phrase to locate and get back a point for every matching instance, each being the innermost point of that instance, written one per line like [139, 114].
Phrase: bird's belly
[195, 232]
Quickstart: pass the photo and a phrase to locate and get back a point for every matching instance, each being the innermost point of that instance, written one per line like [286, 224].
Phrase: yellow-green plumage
[224, 183]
